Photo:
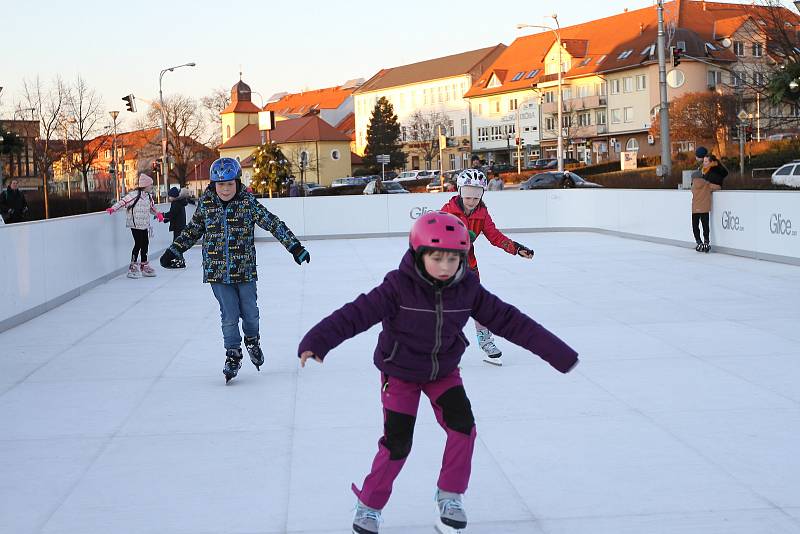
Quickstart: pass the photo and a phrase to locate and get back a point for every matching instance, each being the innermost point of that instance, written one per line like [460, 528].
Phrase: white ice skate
[147, 270]
[492, 354]
[452, 517]
[366, 520]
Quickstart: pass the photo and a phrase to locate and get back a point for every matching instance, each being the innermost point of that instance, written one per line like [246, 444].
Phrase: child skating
[469, 207]
[139, 206]
[225, 217]
[424, 306]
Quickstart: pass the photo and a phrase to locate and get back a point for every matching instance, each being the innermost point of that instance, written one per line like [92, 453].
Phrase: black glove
[300, 254]
[171, 260]
[523, 248]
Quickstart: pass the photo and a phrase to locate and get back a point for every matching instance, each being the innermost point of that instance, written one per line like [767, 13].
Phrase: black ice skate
[706, 247]
[233, 362]
[254, 349]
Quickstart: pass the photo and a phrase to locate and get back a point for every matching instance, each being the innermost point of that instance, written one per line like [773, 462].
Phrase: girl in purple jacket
[424, 306]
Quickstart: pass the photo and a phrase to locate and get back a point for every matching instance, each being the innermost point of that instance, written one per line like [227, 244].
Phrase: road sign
[383, 158]
[742, 115]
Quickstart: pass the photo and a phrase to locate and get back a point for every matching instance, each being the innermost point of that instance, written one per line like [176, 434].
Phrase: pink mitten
[160, 217]
[110, 211]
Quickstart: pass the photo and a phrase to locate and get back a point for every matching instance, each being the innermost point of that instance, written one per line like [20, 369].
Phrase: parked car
[390, 175]
[541, 163]
[783, 136]
[311, 187]
[788, 174]
[501, 167]
[567, 161]
[409, 176]
[389, 186]
[351, 180]
[550, 180]
[435, 186]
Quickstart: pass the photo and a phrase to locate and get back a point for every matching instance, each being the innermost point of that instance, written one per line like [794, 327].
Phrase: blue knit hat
[174, 192]
[701, 152]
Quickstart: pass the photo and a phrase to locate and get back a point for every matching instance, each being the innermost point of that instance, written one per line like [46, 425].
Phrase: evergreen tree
[271, 169]
[383, 136]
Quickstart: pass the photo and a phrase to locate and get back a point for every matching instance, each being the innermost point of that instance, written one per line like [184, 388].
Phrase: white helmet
[472, 177]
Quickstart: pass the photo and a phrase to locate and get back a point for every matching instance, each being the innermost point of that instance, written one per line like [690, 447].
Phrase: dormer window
[625, 55]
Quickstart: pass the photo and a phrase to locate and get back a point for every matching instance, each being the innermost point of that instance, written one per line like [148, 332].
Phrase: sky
[120, 47]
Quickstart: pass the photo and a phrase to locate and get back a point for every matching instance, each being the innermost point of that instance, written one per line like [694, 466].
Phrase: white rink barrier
[49, 262]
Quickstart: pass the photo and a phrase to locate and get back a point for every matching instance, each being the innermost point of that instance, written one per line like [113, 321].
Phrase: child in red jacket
[423, 307]
[469, 207]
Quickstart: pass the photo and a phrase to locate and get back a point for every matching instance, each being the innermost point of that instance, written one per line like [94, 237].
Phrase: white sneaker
[133, 270]
[452, 517]
[366, 520]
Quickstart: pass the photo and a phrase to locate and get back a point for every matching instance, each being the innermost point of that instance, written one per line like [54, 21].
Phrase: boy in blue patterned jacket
[226, 215]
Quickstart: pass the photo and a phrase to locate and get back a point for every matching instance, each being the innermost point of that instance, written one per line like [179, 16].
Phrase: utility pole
[114, 154]
[666, 144]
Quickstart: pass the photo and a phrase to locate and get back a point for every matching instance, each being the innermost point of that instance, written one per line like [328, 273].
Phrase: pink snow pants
[400, 404]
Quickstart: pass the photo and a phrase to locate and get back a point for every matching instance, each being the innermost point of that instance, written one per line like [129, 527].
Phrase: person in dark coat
[176, 216]
[13, 206]
[423, 307]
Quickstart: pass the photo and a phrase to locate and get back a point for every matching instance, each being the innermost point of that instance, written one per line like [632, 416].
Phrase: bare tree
[701, 117]
[294, 157]
[186, 131]
[214, 104]
[425, 130]
[46, 104]
[85, 108]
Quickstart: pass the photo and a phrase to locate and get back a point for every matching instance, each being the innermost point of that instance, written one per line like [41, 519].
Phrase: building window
[464, 160]
[600, 117]
[616, 116]
[335, 155]
[532, 74]
[480, 109]
[681, 45]
[512, 104]
[495, 105]
[757, 50]
[483, 134]
[585, 118]
[451, 130]
[452, 162]
[615, 87]
[625, 54]
[228, 132]
[738, 48]
[628, 114]
[549, 124]
[641, 82]
[627, 84]
[632, 145]
[758, 78]
[566, 93]
[738, 78]
[584, 90]
[549, 97]
[600, 89]
[403, 133]
[518, 76]
[497, 133]
[714, 78]
[464, 129]
[566, 121]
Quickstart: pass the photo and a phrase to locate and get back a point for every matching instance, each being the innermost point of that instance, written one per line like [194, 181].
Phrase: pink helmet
[439, 230]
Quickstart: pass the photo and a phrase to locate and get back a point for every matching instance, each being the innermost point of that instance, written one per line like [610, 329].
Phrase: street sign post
[383, 159]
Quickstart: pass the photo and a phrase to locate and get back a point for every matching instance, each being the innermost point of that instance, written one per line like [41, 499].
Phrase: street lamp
[114, 154]
[164, 164]
[557, 32]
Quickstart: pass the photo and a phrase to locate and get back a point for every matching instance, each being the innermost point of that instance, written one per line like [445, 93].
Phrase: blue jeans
[237, 300]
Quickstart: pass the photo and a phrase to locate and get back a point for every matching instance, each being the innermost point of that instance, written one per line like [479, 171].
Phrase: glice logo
[780, 226]
[418, 211]
[731, 222]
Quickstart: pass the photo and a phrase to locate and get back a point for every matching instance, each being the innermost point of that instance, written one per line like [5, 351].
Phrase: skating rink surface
[683, 416]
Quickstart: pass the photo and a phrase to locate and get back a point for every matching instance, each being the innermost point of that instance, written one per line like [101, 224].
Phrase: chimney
[641, 28]
[704, 5]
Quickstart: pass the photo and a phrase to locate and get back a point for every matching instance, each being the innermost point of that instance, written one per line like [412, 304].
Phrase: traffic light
[676, 55]
[748, 134]
[130, 101]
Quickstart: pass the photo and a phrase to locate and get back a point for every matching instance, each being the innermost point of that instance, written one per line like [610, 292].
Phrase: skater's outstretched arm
[507, 321]
[349, 321]
[193, 231]
[272, 224]
[500, 240]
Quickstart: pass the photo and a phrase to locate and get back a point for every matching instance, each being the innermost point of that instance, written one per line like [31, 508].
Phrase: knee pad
[456, 410]
[398, 434]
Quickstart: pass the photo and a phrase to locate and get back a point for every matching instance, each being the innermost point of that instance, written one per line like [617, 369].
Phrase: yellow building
[325, 149]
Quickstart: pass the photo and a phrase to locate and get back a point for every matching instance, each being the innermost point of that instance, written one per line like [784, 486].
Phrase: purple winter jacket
[422, 338]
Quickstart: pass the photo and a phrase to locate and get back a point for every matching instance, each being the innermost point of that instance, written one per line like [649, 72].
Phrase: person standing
[496, 183]
[13, 206]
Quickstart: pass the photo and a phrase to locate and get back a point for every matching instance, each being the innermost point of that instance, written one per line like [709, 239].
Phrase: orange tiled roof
[432, 69]
[299, 103]
[348, 126]
[308, 128]
[600, 45]
[132, 141]
[243, 106]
